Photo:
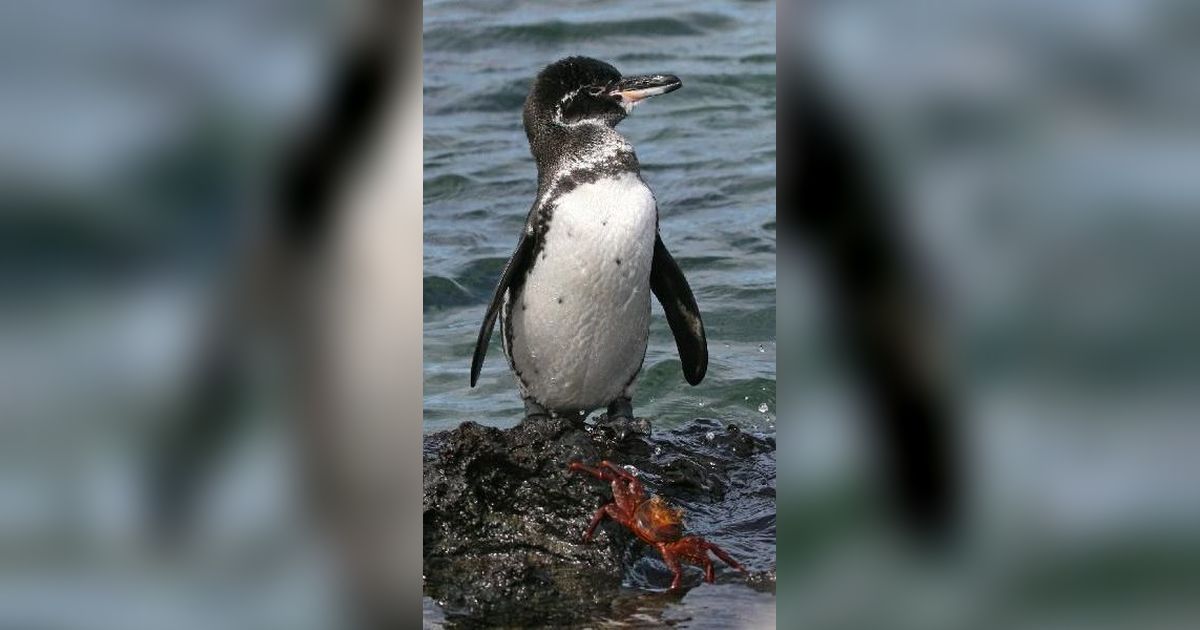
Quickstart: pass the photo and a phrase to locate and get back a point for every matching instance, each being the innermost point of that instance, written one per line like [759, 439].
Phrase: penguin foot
[621, 422]
[534, 411]
[621, 408]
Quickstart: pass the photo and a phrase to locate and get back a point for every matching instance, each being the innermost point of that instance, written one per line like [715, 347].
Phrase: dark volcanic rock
[503, 518]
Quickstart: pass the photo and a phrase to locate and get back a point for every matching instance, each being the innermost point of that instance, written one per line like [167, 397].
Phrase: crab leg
[620, 472]
[596, 518]
[725, 557]
[608, 471]
[668, 556]
[598, 473]
[635, 484]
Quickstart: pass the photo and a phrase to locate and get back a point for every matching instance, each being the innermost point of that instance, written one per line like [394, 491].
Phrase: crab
[654, 521]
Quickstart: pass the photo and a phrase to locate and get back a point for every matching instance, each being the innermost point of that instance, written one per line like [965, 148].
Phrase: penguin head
[582, 90]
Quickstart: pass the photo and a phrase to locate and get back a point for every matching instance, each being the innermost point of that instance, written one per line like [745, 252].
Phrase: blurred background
[1037, 160]
[1039, 156]
[179, 180]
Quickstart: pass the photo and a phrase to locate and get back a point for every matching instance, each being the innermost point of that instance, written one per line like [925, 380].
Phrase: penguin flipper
[515, 268]
[672, 290]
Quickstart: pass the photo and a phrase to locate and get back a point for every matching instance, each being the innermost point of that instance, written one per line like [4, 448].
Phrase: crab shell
[659, 519]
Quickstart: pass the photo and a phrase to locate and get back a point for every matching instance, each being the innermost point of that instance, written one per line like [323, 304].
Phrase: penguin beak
[631, 90]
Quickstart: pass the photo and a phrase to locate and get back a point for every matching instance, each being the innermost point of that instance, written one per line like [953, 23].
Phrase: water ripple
[462, 38]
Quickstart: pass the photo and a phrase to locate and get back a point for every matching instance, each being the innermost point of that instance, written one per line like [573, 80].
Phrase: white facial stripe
[568, 96]
[562, 102]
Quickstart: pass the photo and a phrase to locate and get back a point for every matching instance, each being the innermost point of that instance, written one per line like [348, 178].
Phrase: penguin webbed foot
[621, 408]
[620, 420]
[534, 411]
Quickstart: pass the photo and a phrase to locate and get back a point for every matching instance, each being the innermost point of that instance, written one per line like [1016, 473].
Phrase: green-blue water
[707, 151]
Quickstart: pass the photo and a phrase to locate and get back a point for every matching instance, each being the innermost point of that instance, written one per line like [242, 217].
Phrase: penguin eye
[595, 90]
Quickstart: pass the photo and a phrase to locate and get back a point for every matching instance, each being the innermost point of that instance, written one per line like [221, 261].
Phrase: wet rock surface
[503, 519]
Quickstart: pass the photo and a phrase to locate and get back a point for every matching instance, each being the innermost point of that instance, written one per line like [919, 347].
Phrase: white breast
[580, 323]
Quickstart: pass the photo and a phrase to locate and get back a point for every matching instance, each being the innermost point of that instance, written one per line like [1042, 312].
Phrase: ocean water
[707, 151]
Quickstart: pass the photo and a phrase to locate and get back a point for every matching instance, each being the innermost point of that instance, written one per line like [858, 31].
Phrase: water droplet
[763, 408]
[630, 469]
[658, 450]
[710, 436]
[761, 348]
[701, 403]
[746, 398]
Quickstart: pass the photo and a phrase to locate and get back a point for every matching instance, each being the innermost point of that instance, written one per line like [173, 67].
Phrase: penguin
[574, 297]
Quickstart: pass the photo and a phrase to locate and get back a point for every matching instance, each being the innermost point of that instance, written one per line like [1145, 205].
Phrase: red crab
[655, 521]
